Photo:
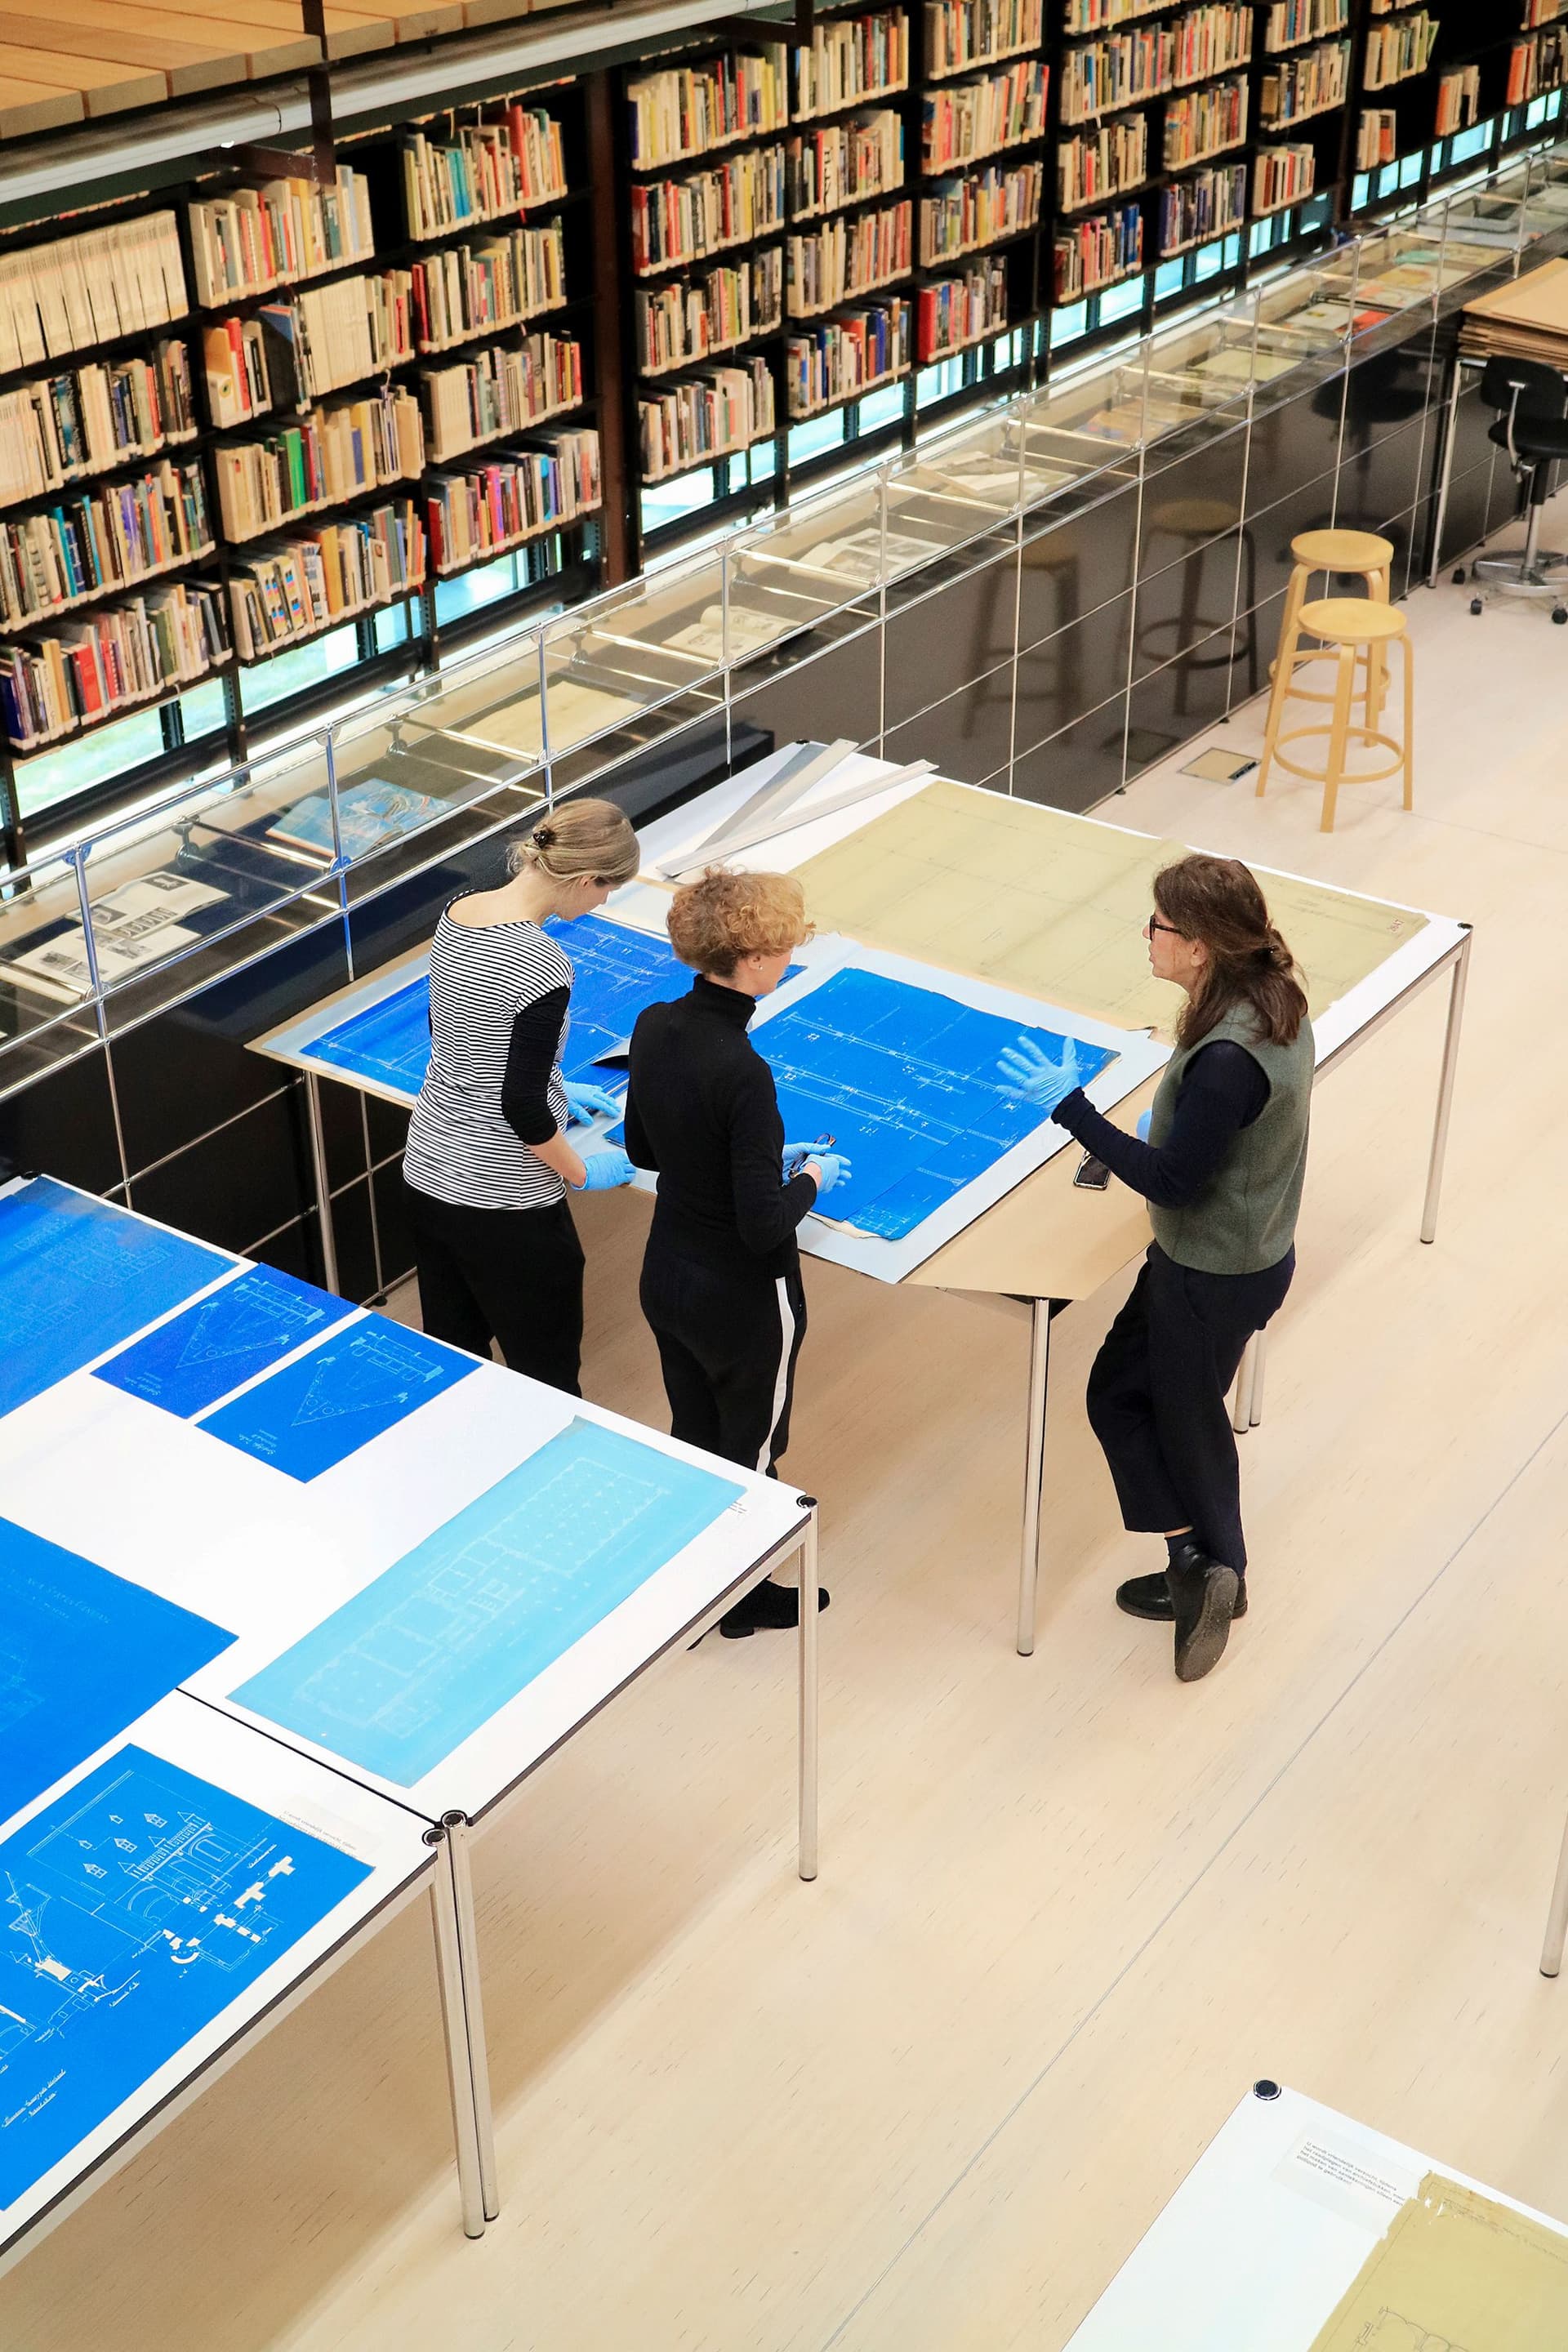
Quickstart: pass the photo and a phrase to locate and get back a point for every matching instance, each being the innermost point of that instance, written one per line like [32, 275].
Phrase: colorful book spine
[840, 358]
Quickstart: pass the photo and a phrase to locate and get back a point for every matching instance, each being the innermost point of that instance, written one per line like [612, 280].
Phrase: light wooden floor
[1068, 1910]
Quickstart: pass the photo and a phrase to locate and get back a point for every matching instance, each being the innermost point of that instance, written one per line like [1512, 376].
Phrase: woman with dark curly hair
[1222, 1172]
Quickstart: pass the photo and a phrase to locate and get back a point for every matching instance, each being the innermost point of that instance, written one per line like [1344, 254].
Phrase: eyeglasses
[1154, 924]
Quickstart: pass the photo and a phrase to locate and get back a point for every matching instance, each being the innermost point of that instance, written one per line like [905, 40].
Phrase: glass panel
[45, 981]
[55, 776]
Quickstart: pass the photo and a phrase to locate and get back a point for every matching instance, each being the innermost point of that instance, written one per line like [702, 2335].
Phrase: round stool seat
[1194, 518]
[1351, 621]
[1342, 551]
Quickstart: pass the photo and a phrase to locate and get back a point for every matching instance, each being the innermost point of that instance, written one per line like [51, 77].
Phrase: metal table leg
[1034, 1472]
[1259, 1357]
[1455, 377]
[457, 1827]
[323, 1188]
[454, 2018]
[1445, 1089]
[1241, 1395]
[1557, 1917]
[809, 1626]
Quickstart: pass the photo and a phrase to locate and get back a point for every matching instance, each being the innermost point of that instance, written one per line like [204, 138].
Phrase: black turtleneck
[701, 1109]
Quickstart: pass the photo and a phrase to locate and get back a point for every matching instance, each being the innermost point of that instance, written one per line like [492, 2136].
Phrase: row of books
[1192, 210]
[484, 171]
[962, 33]
[846, 258]
[1104, 75]
[702, 417]
[127, 654]
[846, 162]
[975, 118]
[850, 58]
[1535, 66]
[1282, 175]
[1102, 162]
[1543, 11]
[960, 215]
[694, 317]
[466, 290]
[1093, 16]
[79, 291]
[1292, 21]
[1458, 100]
[839, 357]
[290, 353]
[290, 588]
[499, 391]
[330, 455]
[686, 219]
[1099, 163]
[1206, 123]
[1211, 41]
[1298, 87]
[684, 109]
[106, 538]
[59, 427]
[483, 509]
[954, 312]
[1096, 252]
[255, 238]
[1398, 51]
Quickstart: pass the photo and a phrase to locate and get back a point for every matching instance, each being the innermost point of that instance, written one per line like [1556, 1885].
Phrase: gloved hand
[795, 1156]
[1143, 1119]
[602, 1171]
[836, 1168]
[1030, 1075]
[582, 1102]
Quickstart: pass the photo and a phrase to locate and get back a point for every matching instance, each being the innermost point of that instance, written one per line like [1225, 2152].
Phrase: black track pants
[510, 1274]
[727, 1340]
[1157, 1391]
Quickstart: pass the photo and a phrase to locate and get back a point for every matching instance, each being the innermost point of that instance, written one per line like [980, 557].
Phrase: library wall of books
[273, 440]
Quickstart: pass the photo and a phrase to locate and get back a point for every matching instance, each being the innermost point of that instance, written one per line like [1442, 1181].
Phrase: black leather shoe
[766, 1605]
[1202, 1599]
[1150, 1597]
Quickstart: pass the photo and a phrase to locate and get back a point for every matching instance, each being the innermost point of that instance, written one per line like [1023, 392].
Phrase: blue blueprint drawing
[389, 1043]
[77, 1277]
[223, 1340]
[132, 1911]
[411, 1666]
[368, 814]
[320, 1409]
[82, 1653]
[905, 1080]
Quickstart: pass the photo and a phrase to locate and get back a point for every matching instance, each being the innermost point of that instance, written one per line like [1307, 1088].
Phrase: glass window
[1168, 279]
[1360, 189]
[395, 627]
[814, 438]
[1410, 169]
[296, 671]
[472, 591]
[883, 408]
[1121, 301]
[1068, 325]
[55, 776]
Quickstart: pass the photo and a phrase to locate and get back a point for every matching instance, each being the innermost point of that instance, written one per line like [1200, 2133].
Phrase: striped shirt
[461, 1146]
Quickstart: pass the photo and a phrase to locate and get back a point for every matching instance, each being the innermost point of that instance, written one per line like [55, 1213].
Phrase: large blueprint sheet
[223, 1340]
[905, 1080]
[133, 1910]
[82, 1653]
[1049, 903]
[77, 1276]
[326, 1405]
[418, 1661]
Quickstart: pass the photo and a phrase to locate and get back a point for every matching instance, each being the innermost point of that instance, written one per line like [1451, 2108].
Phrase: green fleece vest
[1244, 1219]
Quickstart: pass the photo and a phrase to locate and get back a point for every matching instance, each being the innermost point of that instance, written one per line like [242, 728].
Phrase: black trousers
[727, 1343]
[510, 1274]
[1156, 1397]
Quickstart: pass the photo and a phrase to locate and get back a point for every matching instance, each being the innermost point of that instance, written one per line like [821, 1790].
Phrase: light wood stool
[1351, 554]
[1357, 630]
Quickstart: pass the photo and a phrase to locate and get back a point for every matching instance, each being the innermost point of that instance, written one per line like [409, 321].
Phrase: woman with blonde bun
[488, 1166]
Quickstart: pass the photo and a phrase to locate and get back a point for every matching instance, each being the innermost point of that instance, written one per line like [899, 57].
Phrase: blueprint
[78, 1277]
[905, 1081]
[1456, 2271]
[389, 1043]
[368, 814]
[82, 1653]
[223, 1340]
[421, 1659]
[317, 1411]
[134, 1911]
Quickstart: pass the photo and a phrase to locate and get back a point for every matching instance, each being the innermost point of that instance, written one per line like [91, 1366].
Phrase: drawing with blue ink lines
[82, 1653]
[904, 1079]
[368, 814]
[223, 1340]
[332, 1401]
[411, 1666]
[134, 1911]
[78, 1277]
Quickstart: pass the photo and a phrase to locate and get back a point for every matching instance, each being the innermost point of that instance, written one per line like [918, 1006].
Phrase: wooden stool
[1356, 554]
[1356, 629]
[1198, 527]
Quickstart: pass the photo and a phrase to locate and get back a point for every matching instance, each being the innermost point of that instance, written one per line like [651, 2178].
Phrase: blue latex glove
[836, 1168]
[602, 1171]
[583, 1102]
[795, 1156]
[1143, 1119]
[1029, 1074]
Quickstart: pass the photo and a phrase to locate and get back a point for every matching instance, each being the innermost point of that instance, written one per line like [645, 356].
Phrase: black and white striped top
[462, 1145]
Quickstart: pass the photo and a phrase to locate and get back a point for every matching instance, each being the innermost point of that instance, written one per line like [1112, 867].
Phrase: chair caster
[1476, 605]
[1459, 577]
[1560, 614]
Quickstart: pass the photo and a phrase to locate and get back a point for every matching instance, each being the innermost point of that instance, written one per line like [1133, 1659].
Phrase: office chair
[1531, 426]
